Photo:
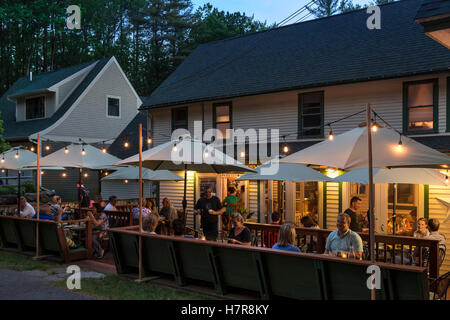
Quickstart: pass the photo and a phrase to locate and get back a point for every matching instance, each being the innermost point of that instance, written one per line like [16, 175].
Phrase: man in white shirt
[26, 209]
[111, 204]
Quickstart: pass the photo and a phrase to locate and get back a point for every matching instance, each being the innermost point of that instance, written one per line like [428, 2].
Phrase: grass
[17, 262]
[112, 287]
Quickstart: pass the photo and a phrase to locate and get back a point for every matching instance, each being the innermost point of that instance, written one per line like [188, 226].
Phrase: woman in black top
[239, 234]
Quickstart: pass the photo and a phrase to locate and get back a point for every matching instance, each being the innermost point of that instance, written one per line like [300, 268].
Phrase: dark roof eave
[325, 84]
[25, 94]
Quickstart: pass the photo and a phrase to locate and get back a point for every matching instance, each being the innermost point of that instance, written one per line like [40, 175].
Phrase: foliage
[8, 190]
[149, 38]
[29, 187]
[3, 144]
[21, 263]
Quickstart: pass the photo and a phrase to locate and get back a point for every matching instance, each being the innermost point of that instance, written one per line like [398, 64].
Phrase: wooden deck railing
[391, 249]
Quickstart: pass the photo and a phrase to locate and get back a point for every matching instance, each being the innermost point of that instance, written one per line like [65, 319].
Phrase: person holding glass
[343, 241]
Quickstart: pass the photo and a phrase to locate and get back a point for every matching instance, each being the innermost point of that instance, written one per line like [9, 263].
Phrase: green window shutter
[426, 201]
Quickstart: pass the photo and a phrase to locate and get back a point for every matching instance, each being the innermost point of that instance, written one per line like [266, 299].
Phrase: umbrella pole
[140, 201]
[371, 189]
[394, 205]
[38, 187]
[184, 194]
[18, 193]
[79, 194]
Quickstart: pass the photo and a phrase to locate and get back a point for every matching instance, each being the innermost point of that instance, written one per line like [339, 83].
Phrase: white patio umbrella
[187, 154]
[80, 156]
[395, 176]
[285, 172]
[361, 148]
[18, 158]
[348, 151]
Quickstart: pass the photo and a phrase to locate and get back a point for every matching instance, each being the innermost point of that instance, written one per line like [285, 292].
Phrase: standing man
[355, 205]
[209, 207]
[83, 194]
[111, 204]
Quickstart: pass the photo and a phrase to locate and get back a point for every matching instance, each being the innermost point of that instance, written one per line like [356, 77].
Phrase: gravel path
[32, 285]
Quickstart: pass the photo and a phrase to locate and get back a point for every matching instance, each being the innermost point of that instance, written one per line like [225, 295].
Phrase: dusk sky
[263, 10]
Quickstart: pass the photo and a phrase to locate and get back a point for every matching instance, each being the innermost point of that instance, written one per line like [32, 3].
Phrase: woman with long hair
[286, 238]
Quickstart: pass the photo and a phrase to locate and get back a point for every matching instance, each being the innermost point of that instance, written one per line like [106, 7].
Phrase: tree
[3, 144]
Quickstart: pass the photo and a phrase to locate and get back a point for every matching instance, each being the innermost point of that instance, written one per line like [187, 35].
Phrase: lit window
[420, 106]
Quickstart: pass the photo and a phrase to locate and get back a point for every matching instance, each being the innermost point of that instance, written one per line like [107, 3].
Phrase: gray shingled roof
[334, 50]
[14, 130]
[433, 8]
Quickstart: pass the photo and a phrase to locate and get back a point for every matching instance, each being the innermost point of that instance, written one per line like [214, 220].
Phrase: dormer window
[35, 108]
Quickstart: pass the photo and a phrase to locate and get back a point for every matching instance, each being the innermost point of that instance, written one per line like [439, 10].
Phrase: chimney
[31, 76]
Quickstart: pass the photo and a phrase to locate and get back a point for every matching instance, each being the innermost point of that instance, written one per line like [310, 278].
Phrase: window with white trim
[35, 108]
[113, 107]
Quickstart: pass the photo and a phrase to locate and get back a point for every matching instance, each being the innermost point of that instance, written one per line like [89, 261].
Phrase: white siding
[88, 119]
[174, 191]
[67, 87]
[280, 110]
[440, 211]
[332, 204]
[124, 190]
[253, 200]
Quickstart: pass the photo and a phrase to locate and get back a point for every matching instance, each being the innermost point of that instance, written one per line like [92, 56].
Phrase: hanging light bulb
[399, 147]
[66, 150]
[104, 149]
[106, 173]
[42, 172]
[242, 154]
[47, 147]
[126, 181]
[331, 136]
[206, 154]
[126, 144]
[32, 149]
[83, 152]
[175, 148]
[85, 175]
[17, 154]
[149, 140]
[3, 170]
[64, 175]
[285, 148]
[3, 158]
[374, 127]
[446, 179]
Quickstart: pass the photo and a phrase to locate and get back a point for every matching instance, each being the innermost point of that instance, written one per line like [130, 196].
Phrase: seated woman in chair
[239, 234]
[101, 223]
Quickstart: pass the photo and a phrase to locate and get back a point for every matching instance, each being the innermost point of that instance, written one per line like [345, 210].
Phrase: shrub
[29, 187]
[8, 190]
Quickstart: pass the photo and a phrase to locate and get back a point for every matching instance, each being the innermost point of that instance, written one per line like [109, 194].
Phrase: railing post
[433, 260]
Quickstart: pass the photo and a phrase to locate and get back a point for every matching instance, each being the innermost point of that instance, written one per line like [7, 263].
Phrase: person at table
[135, 211]
[239, 233]
[344, 239]
[422, 230]
[286, 238]
[275, 218]
[231, 198]
[209, 207]
[150, 204]
[26, 209]
[56, 210]
[168, 211]
[355, 205]
[111, 204]
[433, 227]
[311, 242]
[179, 229]
[150, 223]
[101, 224]
[44, 213]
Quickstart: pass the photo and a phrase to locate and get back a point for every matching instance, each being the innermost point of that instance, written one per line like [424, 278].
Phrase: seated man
[344, 239]
[44, 213]
[56, 210]
[433, 227]
[26, 209]
[179, 229]
[150, 223]
[111, 204]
